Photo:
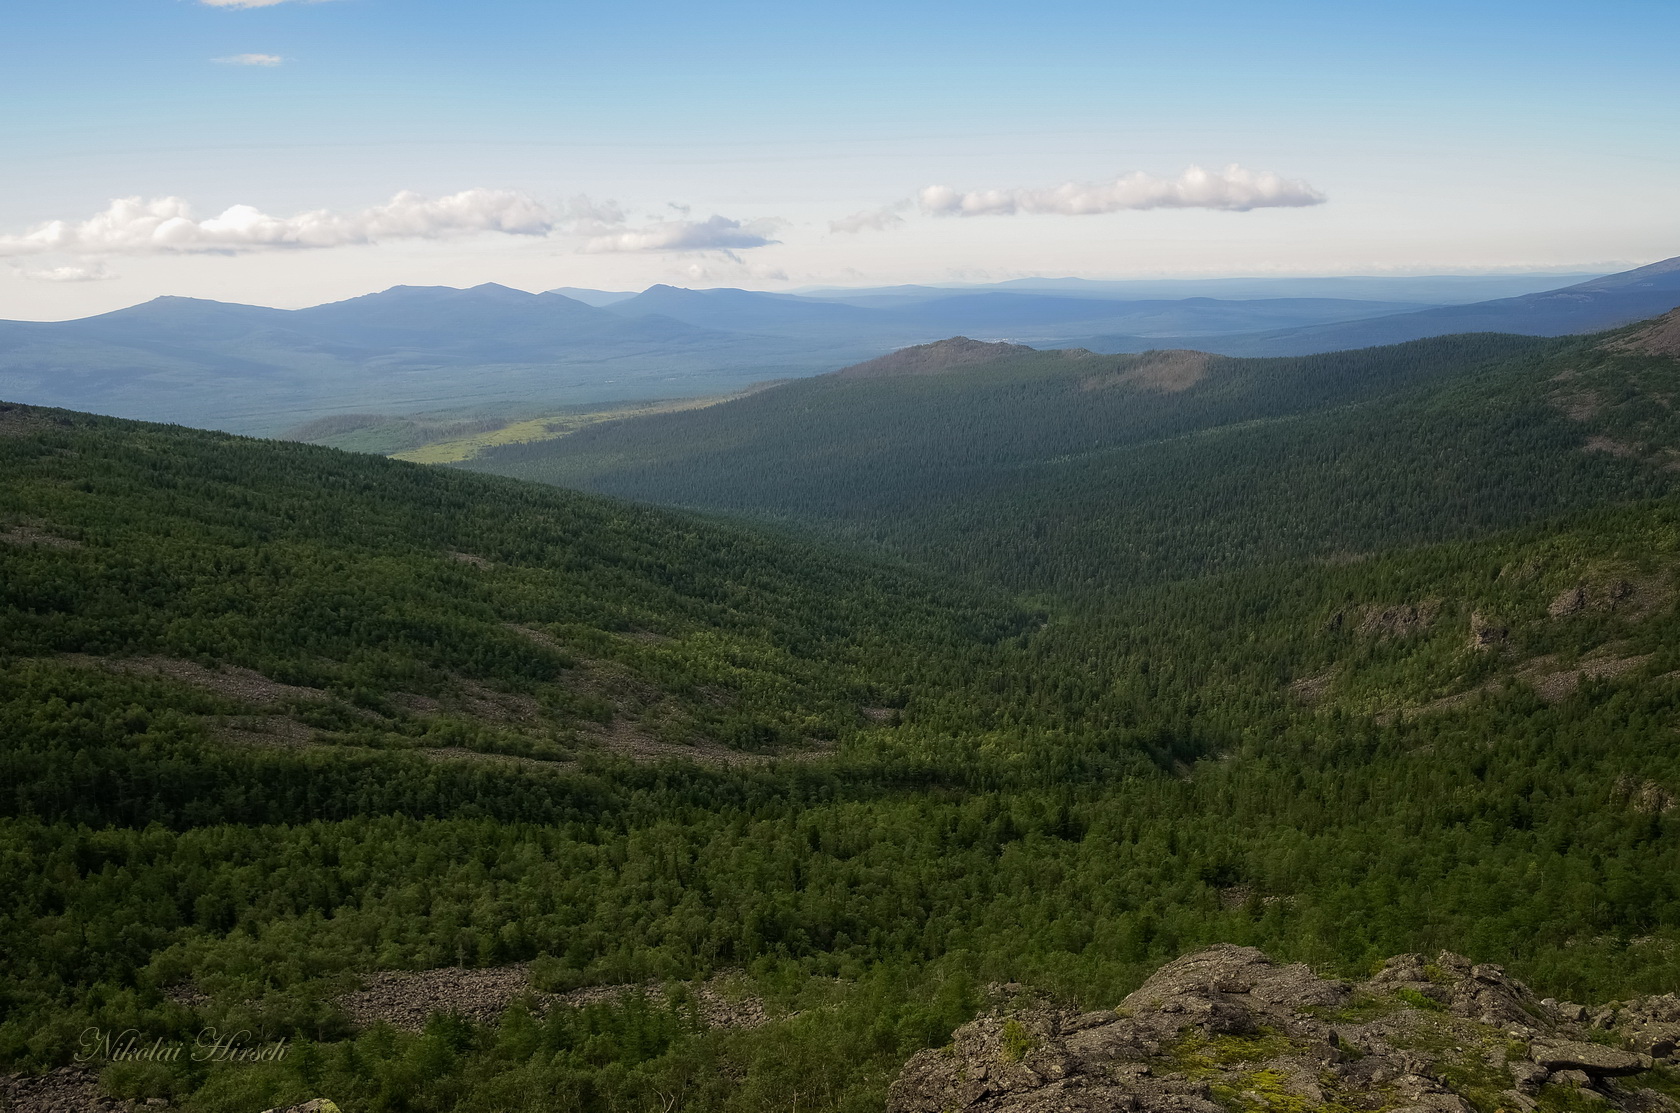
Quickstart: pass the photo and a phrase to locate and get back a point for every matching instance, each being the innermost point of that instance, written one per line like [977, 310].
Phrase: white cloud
[878, 220]
[249, 60]
[92, 272]
[166, 226]
[717, 233]
[1233, 189]
[247, 3]
[588, 213]
[732, 271]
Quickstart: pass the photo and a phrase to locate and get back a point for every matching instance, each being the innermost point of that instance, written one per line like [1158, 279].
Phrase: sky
[287, 152]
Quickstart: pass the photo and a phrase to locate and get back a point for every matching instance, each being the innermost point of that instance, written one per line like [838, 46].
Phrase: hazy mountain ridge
[1591, 306]
[412, 349]
[416, 348]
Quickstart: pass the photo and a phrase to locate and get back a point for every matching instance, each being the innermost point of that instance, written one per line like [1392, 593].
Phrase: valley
[792, 558]
[999, 666]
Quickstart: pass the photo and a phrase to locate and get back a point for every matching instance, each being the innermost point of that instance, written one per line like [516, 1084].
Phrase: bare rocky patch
[1225, 1030]
[1632, 596]
[1647, 797]
[1550, 682]
[65, 1090]
[242, 685]
[629, 739]
[1311, 689]
[1582, 406]
[279, 732]
[1487, 632]
[406, 999]
[26, 535]
[1659, 338]
[1167, 371]
[1553, 684]
[1608, 445]
[932, 359]
[477, 701]
[1399, 620]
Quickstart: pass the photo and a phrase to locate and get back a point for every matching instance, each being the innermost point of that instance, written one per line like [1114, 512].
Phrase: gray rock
[1595, 1059]
[1228, 1020]
[1527, 1075]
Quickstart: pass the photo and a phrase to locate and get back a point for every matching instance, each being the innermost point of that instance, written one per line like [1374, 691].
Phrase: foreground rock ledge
[1226, 1030]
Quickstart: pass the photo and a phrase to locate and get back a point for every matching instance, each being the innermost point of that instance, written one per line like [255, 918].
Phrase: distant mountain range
[1598, 303]
[407, 349]
[491, 349]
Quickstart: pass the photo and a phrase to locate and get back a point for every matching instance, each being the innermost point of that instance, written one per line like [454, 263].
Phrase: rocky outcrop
[406, 999]
[65, 1090]
[932, 359]
[1660, 337]
[1225, 1030]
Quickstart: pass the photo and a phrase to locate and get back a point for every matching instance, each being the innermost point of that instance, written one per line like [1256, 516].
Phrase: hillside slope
[387, 606]
[286, 733]
[1079, 473]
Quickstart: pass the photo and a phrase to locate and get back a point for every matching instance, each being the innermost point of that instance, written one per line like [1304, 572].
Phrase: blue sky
[1407, 137]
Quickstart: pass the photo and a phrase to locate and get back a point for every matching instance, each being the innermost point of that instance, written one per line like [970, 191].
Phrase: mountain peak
[932, 359]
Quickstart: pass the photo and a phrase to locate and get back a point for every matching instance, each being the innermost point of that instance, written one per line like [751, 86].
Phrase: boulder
[1227, 1025]
[1595, 1059]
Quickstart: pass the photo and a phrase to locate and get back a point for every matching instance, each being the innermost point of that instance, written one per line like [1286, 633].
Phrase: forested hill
[394, 604]
[1075, 472]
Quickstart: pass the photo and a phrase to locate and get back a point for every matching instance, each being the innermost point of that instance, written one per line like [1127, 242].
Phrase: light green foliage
[1418, 1000]
[1017, 1041]
[1199, 1055]
[1468, 1058]
[1359, 1009]
[1267, 1091]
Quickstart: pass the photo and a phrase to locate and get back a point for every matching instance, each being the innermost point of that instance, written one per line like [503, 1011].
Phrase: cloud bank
[717, 233]
[878, 220]
[166, 226]
[1234, 189]
[249, 60]
[92, 272]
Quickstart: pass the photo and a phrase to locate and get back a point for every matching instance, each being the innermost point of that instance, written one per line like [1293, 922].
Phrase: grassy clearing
[455, 449]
